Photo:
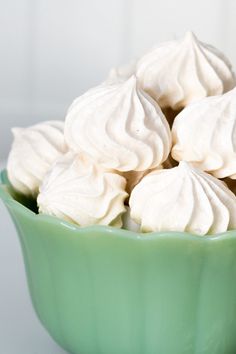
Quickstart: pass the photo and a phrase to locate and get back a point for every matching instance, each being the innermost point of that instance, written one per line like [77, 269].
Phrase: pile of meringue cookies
[153, 148]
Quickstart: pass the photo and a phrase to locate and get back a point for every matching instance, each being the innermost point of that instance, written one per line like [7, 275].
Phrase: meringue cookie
[183, 199]
[121, 73]
[120, 127]
[182, 71]
[78, 190]
[204, 133]
[33, 151]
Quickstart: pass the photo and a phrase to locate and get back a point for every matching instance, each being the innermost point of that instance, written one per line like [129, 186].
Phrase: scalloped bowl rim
[53, 220]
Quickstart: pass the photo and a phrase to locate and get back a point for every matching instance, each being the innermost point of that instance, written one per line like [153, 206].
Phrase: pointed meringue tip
[189, 35]
[16, 131]
[131, 81]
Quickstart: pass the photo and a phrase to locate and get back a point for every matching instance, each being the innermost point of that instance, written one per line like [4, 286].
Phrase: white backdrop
[53, 50]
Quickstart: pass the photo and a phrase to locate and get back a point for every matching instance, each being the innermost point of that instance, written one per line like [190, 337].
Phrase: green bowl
[100, 290]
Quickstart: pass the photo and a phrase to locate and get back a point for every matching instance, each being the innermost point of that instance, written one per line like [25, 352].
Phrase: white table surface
[20, 330]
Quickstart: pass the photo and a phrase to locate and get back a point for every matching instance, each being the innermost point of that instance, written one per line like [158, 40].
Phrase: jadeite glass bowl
[99, 290]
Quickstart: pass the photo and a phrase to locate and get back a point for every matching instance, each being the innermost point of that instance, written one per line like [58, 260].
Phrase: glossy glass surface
[99, 290]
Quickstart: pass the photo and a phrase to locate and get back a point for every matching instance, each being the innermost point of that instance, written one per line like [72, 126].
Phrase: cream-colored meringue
[183, 198]
[121, 73]
[182, 71]
[204, 133]
[78, 190]
[120, 127]
[33, 151]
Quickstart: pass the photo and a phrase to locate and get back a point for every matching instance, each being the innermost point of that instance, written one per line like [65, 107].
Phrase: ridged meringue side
[179, 72]
[204, 133]
[120, 127]
[33, 151]
[121, 73]
[79, 191]
[183, 198]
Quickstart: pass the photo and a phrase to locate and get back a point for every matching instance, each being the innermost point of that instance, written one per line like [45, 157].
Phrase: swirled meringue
[120, 127]
[183, 198]
[182, 71]
[204, 133]
[78, 190]
[33, 151]
[121, 73]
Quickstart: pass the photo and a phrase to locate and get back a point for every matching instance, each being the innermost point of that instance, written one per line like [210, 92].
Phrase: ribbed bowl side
[99, 293]
[100, 290]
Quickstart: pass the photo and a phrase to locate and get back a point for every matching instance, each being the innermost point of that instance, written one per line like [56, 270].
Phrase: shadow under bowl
[101, 290]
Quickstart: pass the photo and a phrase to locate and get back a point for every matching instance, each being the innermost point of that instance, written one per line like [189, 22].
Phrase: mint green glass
[99, 290]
